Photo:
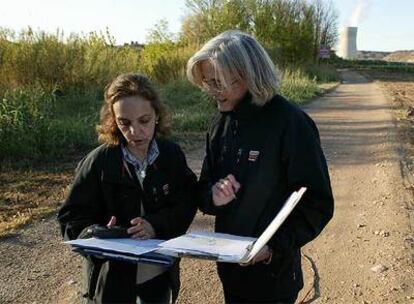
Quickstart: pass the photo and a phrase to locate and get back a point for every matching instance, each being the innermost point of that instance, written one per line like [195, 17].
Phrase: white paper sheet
[216, 246]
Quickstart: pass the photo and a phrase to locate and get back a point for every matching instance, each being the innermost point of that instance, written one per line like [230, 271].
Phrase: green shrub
[165, 62]
[32, 127]
[322, 73]
[50, 61]
[23, 117]
[298, 87]
[190, 108]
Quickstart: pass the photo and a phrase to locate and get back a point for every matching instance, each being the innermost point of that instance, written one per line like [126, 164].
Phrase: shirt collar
[150, 158]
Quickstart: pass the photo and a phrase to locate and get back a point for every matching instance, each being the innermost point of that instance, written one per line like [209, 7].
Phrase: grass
[35, 124]
[38, 124]
[298, 87]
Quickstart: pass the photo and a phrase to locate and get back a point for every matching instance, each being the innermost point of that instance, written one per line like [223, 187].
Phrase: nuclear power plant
[347, 48]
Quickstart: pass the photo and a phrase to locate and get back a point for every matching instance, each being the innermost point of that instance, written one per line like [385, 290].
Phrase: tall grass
[166, 62]
[49, 60]
[21, 120]
[33, 127]
[51, 89]
[322, 73]
[298, 87]
[190, 108]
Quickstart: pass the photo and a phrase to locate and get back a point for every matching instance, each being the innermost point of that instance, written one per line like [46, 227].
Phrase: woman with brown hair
[136, 179]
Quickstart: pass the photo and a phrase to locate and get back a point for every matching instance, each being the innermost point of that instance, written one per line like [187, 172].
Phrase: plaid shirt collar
[152, 155]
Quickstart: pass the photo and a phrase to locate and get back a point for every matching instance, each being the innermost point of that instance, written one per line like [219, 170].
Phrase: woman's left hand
[141, 229]
[264, 255]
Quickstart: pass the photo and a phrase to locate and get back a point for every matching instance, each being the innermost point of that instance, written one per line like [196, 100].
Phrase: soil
[365, 254]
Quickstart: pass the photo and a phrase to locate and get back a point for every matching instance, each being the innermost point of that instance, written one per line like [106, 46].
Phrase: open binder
[201, 245]
[226, 247]
[128, 250]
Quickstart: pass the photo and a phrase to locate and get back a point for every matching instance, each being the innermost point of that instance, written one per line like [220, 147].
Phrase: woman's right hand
[224, 191]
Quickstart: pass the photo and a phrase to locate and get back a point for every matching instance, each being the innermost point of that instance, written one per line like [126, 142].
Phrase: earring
[156, 122]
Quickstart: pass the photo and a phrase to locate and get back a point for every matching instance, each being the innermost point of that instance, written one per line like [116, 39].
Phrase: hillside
[372, 55]
[400, 56]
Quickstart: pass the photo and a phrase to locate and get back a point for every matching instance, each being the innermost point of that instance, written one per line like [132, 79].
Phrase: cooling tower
[347, 46]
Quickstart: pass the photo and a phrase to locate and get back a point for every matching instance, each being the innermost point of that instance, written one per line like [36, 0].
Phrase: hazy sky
[384, 25]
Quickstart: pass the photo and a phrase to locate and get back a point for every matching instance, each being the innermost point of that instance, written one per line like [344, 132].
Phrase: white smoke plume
[359, 12]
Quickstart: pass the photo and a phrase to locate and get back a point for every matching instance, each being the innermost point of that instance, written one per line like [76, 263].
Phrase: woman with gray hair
[259, 149]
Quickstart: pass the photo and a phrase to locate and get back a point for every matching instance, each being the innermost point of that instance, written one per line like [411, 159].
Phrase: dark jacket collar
[111, 165]
[245, 109]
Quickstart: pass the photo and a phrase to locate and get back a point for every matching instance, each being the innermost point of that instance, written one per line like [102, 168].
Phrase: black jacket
[272, 151]
[102, 188]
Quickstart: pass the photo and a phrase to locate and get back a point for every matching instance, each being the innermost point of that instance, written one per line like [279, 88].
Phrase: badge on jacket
[166, 189]
[253, 155]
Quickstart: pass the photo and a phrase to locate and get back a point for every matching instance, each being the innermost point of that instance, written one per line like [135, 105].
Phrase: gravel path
[364, 255]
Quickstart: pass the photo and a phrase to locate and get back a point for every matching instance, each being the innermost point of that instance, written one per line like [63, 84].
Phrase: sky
[383, 25]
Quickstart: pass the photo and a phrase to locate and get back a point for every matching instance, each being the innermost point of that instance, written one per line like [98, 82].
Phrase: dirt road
[363, 256]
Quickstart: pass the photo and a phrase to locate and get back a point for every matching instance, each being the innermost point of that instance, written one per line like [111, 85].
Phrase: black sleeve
[306, 166]
[175, 219]
[204, 194]
[81, 208]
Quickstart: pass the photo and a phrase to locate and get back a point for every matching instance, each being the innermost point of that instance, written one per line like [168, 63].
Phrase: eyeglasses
[216, 85]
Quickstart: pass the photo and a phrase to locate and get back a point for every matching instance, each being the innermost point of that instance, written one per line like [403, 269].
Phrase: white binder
[226, 247]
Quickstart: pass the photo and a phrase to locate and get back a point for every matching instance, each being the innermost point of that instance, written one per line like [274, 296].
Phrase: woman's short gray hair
[237, 55]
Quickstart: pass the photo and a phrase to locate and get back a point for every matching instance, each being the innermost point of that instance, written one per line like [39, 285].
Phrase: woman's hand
[112, 222]
[141, 229]
[264, 255]
[224, 191]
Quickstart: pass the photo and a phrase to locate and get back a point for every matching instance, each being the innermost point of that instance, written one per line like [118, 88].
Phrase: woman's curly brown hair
[127, 85]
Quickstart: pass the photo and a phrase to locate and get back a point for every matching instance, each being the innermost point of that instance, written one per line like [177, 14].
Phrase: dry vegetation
[26, 195]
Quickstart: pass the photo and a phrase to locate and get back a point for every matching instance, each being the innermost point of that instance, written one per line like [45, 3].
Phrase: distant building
[134, 44]
[347, 48]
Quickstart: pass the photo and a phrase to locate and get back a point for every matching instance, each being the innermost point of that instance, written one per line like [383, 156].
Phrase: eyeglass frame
[215, 86]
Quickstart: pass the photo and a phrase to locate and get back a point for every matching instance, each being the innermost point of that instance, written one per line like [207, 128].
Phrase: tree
[291, 30]
[326, 25]
[208, 18]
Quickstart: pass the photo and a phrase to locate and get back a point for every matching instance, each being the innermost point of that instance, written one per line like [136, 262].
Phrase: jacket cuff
[87, 232]
[158, 223]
